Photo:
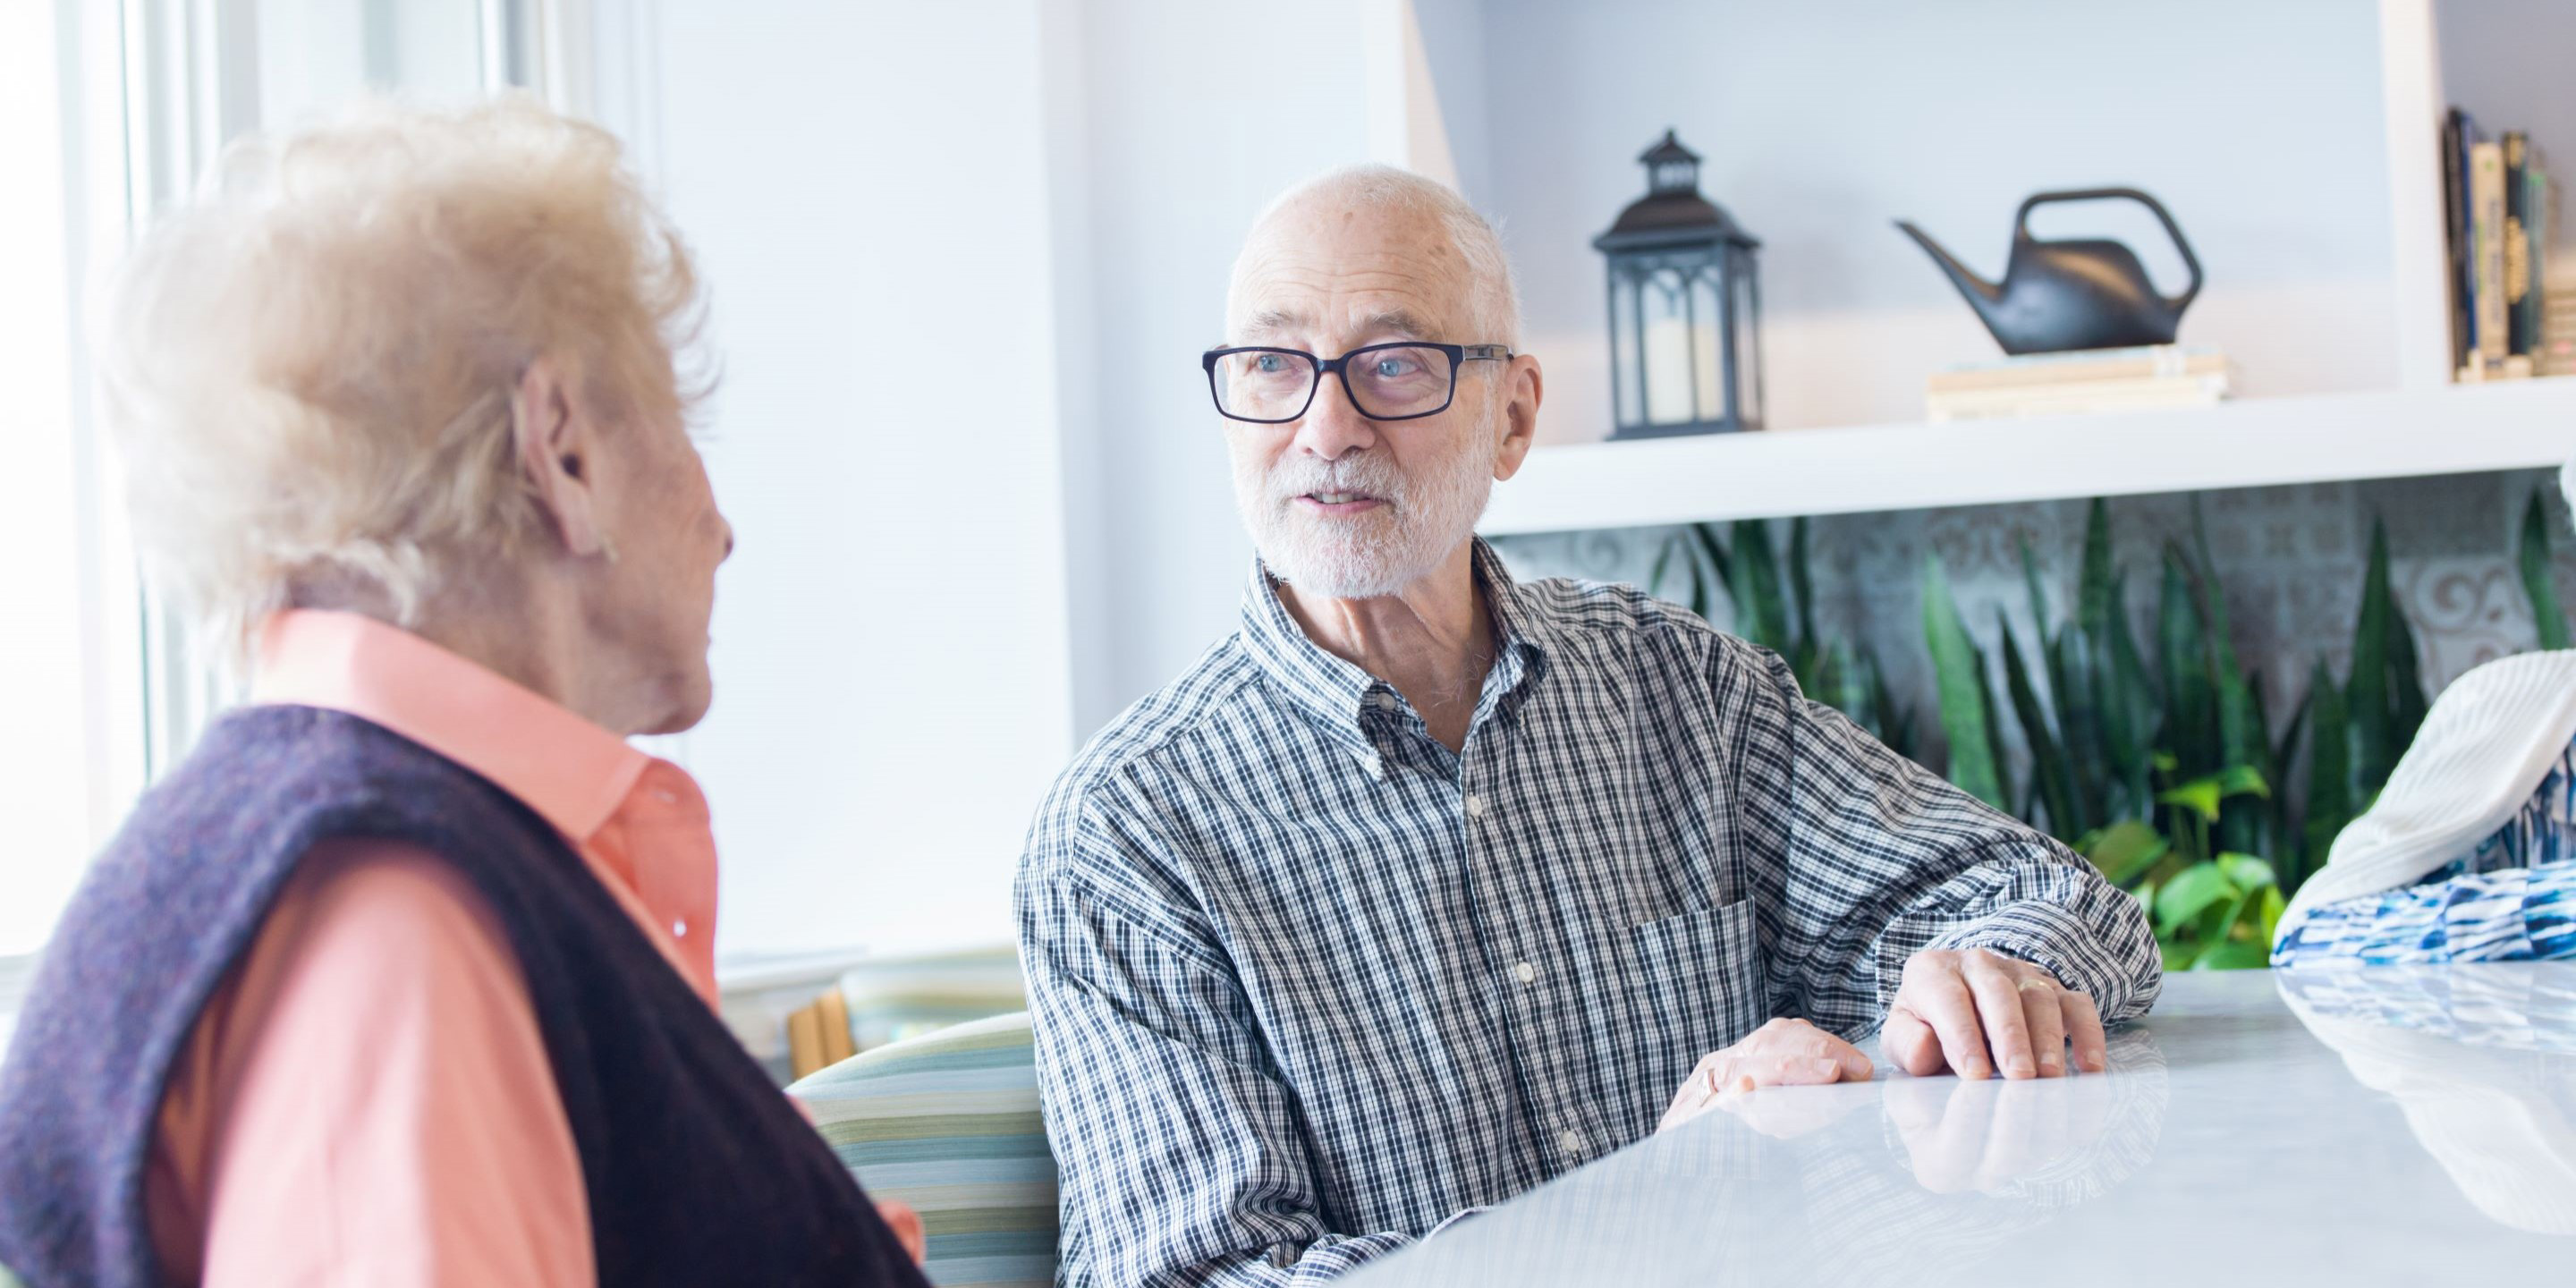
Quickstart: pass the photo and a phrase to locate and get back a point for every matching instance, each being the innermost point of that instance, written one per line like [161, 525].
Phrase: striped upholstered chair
[948, 1122]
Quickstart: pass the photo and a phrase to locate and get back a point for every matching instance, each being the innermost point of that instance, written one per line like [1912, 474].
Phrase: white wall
[2259, 126]
[954, 563]
[866, 189]
[1195, 116]
[904, 661]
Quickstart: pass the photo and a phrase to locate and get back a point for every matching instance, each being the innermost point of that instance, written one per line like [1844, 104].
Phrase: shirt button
[1386, 702]
[1526, 972]
[1572, 1142]
[1475, 806]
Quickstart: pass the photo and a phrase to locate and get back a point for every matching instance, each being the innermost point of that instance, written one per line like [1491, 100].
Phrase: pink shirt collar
[571, 772]
[640, 823]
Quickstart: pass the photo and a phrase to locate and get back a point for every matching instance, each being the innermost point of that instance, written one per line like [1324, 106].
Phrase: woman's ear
[555, 440]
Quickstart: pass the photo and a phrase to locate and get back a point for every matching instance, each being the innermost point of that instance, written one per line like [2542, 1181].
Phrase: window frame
[152, 90]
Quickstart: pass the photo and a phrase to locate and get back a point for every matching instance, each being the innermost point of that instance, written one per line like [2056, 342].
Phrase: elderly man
[1425, 886]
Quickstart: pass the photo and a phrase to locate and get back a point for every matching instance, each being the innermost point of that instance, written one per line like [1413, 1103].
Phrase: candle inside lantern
[1668, 371]
[1704, 363]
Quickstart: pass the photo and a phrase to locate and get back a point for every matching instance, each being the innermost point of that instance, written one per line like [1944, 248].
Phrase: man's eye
[1269, 363]
[1389, 368]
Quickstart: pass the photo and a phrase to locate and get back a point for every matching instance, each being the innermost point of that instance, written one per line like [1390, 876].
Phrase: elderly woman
[405, 975]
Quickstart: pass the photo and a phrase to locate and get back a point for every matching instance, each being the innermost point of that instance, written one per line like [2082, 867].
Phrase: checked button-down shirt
[1307, 984]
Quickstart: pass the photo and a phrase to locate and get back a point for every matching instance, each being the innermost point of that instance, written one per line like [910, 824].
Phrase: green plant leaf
[2096, 598]
[2405, 678]
[1897, 722]
[2070, 680]
[2329, 771]
[2038, 604]
[1761, 609]
[2246, 871]
[2049, 777]
[1802, 585]
[2271, 908]
[2234, 954]
[2191, 892]
[2366, 695]
[2290, 732]
[2204, 794]
[2200, 796]
[2125, 850]
[1721, 567]
[2215, 930]
[2243, 780]
[2538, 585]
[2240, 715]
[1965, 696]
[2139, 699]
[2182, 645]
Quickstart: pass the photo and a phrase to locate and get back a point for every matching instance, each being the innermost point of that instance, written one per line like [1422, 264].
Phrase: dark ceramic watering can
[2086, 293]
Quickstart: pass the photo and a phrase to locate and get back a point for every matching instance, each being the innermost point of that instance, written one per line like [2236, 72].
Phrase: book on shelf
[2486, 247]
[2516, 280]
[2557, 356]
[2079, 365]
[2086, 381]
[2536, 206]
[2497, 209]
[2458, 131]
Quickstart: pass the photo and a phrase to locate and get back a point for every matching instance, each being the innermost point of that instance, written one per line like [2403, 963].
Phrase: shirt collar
[1337, 693]
[573, 773]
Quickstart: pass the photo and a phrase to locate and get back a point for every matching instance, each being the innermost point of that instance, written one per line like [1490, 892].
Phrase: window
[106, 113]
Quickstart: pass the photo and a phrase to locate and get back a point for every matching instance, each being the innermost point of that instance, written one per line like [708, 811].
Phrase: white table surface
[2381, 1126]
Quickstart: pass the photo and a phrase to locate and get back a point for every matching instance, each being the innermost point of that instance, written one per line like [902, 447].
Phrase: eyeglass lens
[1386, 384]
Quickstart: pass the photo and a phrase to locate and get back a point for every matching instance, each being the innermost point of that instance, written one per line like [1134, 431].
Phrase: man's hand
[1984, 1136]
[1976, 1011]
[1782, 1053]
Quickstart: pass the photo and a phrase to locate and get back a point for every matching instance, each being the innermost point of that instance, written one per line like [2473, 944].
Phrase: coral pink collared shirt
[367, 1098]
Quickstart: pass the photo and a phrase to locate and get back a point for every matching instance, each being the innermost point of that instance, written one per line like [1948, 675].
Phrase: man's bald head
[1397, 204]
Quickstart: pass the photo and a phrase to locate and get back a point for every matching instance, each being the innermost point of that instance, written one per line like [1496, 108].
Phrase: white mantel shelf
[1870, 469]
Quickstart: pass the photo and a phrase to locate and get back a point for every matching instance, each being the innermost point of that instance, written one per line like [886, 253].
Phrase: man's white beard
[1419, 522]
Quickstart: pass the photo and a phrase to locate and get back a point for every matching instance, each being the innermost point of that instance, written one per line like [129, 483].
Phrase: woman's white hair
[308, 369]
[1493, 298]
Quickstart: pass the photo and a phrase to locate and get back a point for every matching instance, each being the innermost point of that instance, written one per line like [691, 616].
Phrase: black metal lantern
[1685, 308]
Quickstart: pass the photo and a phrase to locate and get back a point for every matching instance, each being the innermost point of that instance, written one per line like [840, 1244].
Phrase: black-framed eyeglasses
[1405, 380]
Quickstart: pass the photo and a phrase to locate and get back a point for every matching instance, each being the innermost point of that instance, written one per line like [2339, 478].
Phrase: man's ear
[1520, 415]
[555, 439]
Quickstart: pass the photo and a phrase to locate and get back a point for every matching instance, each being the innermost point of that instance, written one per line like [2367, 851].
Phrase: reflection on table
[2483, 1062]
[2377, 1126]
[1942, 1170]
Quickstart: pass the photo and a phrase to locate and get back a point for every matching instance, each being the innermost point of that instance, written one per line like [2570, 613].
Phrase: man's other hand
[1975, 1011]
[1782, 1053]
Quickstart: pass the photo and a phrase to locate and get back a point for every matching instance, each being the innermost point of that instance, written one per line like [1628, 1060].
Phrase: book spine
[2455, 227]
[2486, 203]
[2519, 331]
[2535, 232]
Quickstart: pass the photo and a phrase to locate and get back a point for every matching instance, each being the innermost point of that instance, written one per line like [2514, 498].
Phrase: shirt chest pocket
[1699, 988]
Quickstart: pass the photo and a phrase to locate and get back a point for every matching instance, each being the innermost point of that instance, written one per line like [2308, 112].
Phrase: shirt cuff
[2058, 941]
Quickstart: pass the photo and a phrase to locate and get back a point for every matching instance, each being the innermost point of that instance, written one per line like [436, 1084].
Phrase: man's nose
[1332, 428]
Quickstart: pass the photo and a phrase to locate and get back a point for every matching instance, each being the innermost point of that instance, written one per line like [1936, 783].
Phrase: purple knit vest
[698, 1170]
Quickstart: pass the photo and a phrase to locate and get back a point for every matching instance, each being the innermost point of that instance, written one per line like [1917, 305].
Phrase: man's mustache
[1370, 479]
